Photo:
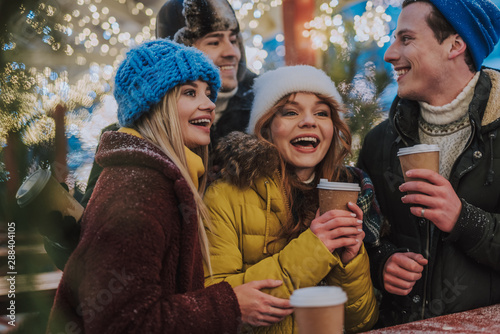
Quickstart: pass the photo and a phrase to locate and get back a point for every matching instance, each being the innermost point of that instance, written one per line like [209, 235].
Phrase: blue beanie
[476, 21]
[150, 70]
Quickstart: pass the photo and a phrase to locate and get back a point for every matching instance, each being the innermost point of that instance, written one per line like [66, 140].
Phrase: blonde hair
[331, 167]
[162, 128]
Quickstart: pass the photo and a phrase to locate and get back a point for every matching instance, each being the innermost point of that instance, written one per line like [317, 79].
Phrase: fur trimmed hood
[243, 158]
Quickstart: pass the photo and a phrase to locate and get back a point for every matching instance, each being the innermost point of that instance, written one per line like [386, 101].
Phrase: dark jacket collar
[237, 113]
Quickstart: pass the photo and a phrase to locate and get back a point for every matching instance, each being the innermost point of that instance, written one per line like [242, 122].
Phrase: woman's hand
[259, 308]
[341, 231]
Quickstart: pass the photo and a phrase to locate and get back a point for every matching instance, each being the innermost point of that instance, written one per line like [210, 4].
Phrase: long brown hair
[302, 212]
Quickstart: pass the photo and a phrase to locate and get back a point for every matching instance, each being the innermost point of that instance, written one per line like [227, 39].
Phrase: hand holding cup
[41, 195]
[338, 224]
[420, 156]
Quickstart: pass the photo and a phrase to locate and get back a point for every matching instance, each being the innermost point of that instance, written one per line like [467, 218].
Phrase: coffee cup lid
[420, 148]
[325, 184]
[33, 185]
[318, 296]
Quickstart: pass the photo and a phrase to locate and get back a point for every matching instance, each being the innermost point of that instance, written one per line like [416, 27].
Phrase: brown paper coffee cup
[419, 157]
[336, 195]
[319, 309]
[41, 194]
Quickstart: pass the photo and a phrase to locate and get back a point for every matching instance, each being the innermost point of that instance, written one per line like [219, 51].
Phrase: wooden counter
[481, 320]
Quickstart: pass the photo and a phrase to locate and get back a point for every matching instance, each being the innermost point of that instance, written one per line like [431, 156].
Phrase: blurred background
[65, 52]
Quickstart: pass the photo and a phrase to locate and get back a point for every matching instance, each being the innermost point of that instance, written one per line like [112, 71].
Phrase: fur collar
[492, 112]
[243, 159]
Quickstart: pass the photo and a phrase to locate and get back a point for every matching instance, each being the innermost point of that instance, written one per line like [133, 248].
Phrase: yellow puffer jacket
[243, 221]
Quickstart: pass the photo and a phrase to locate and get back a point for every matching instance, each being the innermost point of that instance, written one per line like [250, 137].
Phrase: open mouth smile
[310, 142]
[227, 67]
[401, 71]
[203, 122]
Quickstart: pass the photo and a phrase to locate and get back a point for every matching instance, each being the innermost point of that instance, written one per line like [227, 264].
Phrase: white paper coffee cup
[420, 156]
[319, 309]
[336, 195]
[41, 194]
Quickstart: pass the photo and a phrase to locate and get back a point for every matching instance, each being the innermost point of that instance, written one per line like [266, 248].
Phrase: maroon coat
[138, 267]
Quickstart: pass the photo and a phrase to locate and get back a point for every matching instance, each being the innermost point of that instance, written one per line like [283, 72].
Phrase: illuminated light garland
[372, 25]
[92, 29]
[249, 13]
[322, 30]
[47, 93]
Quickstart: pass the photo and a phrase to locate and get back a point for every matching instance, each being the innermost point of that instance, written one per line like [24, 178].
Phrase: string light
[372, 25]
[328, 27]
[91, 29]
[79, 25]
[249, 14]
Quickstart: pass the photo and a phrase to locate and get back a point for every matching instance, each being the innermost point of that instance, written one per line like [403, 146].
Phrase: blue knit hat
[150, 70]
[476, 21]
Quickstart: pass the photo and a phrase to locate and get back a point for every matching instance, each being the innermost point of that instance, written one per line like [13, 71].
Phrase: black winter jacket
[237, 113]
[464, 266]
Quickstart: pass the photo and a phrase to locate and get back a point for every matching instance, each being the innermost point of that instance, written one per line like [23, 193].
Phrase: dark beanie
[476, 21]
[150, 70]
[186, 21]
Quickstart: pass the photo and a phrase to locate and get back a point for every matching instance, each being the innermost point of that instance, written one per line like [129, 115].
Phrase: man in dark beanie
[440, 249]
[210, 26]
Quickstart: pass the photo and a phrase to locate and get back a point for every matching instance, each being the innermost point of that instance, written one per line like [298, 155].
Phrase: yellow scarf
[196, 168]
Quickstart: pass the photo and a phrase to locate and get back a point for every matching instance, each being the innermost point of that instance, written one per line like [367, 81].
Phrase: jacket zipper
[428, 227]
[427, 252]
[473, 123]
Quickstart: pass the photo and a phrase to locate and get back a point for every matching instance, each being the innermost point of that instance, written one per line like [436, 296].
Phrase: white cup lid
[420, 148]
[318, 296]
[33, 185]
[325, 184]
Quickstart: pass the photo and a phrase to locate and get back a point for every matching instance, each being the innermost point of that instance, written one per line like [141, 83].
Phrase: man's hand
[401, 271]
[259, 308]
[435, 198]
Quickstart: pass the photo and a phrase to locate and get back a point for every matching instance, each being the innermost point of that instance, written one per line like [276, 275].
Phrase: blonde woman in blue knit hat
[138, 267]
[264, 209]
[210, 26]
[441, 254]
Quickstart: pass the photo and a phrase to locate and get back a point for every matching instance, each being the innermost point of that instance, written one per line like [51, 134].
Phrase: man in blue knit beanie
[439, 250]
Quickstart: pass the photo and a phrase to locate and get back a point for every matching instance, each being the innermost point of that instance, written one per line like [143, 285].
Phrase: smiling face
[195, 113]
[302, 131]
[223, 48]
[422, 64]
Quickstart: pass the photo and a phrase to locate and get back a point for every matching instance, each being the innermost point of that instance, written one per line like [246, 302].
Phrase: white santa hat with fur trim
[270, 87]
